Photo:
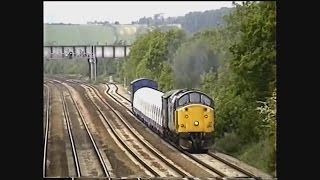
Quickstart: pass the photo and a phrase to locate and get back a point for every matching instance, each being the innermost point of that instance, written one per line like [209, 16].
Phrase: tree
[166, 80]
[247, 74]
[191, 60]
[149, 54]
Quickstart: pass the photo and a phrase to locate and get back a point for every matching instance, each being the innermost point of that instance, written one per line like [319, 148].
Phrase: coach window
[195, 97]
[157, 113]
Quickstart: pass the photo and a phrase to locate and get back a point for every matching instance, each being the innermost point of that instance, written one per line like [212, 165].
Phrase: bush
[230, 143]
[259, 155]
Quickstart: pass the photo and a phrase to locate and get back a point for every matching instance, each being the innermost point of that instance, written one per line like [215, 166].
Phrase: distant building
[176, 25]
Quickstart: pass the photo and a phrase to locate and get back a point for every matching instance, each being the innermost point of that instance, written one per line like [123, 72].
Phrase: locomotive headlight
[205, 116]
[186, 116]
[196, 123]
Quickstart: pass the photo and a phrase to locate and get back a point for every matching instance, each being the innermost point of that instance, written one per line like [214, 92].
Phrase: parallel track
[101, 161]
[191, 156]
[74, 150]
[46, 131]
[132, 132]
[122, 142]
[249, 174]
[182, 151]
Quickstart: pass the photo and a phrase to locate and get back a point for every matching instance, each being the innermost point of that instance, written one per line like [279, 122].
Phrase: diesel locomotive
[183, 116]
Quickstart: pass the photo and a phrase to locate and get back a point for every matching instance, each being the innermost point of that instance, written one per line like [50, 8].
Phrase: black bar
[62, 52]
[125, 51]
[114, 51]
[102, 51]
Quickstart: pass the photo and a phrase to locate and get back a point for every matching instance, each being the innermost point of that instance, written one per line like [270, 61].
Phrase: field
[89, 34]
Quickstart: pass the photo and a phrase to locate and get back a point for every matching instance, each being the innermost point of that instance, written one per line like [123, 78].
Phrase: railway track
[124, 165]
[226, 170]
[56, 145]
[145, 151]
[208, 160]
[46, 129]
[88, 161]
[215, 171]
[90, 138]
[233, 165]
[67, 121]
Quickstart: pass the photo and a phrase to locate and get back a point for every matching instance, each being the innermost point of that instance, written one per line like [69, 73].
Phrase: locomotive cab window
[194, 98]
[183, 100]
[205, 100]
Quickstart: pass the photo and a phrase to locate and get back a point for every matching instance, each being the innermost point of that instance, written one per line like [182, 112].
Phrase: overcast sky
[123, 11]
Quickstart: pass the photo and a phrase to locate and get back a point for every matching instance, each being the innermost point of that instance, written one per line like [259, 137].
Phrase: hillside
[89, 34]
[192, 22]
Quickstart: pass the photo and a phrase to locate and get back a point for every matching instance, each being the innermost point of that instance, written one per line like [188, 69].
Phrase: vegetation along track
[156, 163]
[207, 160]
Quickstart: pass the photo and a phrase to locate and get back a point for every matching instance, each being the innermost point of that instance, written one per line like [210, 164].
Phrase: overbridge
[90, 52]
[84, 51]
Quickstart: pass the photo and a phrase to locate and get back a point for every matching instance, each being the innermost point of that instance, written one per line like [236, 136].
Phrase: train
[186, 117]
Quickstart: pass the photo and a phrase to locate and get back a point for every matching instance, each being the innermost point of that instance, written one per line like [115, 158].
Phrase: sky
[80, 12]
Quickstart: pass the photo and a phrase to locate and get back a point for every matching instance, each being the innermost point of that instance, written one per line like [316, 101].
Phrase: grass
[258, 155]
[88, 34]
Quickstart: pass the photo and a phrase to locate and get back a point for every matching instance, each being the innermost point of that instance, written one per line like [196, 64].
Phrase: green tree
[137, 53]
[166, 81]
[246, 76]
[150, 52]
[191, 60]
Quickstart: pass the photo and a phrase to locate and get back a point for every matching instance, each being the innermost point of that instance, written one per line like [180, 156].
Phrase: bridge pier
[93, 64]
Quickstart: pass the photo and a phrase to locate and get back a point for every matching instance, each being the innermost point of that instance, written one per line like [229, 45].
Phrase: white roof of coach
[149, 95]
